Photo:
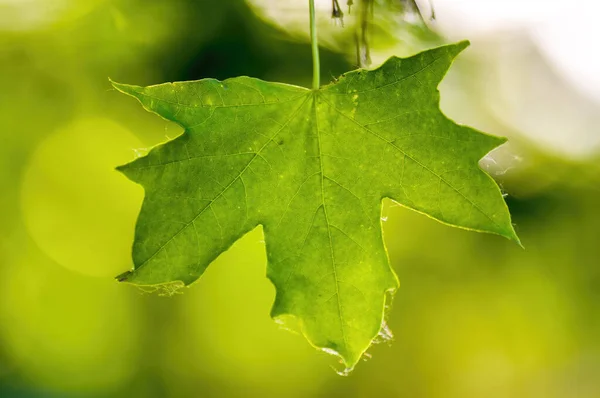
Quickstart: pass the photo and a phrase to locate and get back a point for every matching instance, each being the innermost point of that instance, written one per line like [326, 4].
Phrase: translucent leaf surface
[311, 167]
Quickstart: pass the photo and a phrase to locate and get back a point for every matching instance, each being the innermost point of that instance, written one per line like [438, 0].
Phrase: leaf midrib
[332, 254]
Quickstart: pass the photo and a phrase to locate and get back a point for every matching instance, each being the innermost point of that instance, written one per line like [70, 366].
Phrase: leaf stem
[315, 47]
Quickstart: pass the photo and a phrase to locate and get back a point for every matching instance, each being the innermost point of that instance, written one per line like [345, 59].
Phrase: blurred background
[475, 316]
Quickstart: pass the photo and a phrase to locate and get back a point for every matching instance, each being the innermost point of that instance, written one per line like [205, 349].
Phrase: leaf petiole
[315, 46]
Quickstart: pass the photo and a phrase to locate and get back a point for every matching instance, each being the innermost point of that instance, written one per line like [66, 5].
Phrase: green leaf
[312, 168]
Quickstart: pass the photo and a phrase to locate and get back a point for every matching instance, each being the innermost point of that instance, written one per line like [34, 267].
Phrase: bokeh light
[83, 219]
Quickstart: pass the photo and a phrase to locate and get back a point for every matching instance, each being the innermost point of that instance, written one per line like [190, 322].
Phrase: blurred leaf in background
[473, 317]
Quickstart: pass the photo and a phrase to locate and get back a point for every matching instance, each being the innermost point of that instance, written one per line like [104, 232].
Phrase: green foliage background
[475, 315]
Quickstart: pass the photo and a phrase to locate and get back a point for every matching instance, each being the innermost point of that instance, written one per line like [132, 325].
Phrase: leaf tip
[122, 168]
[459, 47]
[115, 84]
[463, 44]
[125, 88]
[127, 171]
[511, 235]
[515, 238]
[124, 277]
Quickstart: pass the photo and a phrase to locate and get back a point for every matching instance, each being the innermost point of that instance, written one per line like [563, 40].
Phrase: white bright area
[567, 32]
[546, 66]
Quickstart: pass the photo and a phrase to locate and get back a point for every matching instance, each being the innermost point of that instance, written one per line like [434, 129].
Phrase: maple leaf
[311, 167]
